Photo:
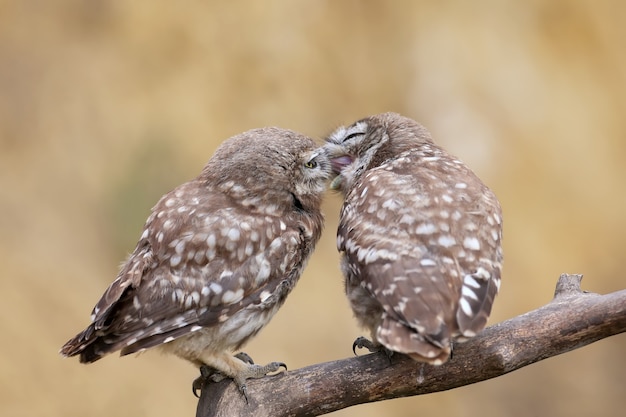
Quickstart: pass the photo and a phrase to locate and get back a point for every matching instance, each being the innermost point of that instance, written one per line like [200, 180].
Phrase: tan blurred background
[106, 105]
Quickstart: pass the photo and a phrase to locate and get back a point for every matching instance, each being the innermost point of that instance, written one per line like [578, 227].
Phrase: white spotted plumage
[217, 256]
[420, 237]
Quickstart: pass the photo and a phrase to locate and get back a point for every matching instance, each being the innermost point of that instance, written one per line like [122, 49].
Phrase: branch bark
[573, 319]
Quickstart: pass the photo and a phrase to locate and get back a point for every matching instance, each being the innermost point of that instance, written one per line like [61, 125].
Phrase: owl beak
[337, 165]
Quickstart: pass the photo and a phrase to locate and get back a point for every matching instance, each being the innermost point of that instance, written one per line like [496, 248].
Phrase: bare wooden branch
[571, 320]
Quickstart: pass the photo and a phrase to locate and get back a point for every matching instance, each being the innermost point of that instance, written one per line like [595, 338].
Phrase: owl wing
[105, 310]
[404, 234]
[193, 272]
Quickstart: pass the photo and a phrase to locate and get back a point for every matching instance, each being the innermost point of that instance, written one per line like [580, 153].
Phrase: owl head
[270, 169]
[370, 142]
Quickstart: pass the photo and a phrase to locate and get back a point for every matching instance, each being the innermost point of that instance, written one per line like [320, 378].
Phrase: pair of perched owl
[420, 237]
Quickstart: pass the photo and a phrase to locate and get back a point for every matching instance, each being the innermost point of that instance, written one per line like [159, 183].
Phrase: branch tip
[568, 284]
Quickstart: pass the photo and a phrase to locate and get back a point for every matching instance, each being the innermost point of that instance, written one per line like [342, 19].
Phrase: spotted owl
[217, 257]
[420, 237]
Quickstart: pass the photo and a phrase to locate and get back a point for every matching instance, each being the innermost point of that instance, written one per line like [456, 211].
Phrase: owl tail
[88, 345]
[431, 349]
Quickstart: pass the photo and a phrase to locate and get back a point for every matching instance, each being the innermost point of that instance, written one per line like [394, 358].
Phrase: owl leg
[239, 367]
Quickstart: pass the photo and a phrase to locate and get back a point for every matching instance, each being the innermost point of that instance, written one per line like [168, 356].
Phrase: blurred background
[107, 105]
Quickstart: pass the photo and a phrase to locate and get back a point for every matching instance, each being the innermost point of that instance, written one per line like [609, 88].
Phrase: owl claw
[244, 357]
[363, 342]
[206, 372]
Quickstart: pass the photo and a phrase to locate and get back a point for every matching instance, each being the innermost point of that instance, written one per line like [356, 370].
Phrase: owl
[217, 257]
[420, 237]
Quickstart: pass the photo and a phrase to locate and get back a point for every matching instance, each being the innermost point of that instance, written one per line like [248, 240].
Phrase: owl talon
[244, 390]
[244, 357]
[363, 342]
[206, 372]
[196, 386]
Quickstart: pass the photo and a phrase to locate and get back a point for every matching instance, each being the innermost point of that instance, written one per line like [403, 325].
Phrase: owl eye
[352, 136]
[354, 131]
[310, 164]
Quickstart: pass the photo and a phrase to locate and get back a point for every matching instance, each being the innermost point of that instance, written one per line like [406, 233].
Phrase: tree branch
[573, 319]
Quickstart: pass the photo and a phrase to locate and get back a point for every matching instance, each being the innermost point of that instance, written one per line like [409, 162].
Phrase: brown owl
[420, 237]
[217, 257]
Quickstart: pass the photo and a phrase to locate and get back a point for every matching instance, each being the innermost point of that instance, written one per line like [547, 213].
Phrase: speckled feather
[420, 236]
[218, 255]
